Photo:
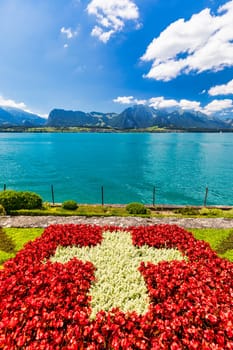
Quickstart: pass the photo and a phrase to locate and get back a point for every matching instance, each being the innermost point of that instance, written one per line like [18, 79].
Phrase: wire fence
[153, 197]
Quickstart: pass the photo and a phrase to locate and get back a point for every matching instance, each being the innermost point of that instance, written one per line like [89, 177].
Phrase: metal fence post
[153, 196]
[52, 191]
[102, 195]
[206, 195]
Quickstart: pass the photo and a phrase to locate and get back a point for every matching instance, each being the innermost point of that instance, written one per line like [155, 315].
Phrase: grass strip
[217, 239]
[114, 210]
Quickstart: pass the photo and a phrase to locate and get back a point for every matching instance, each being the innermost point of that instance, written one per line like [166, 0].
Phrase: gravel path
[44, 221]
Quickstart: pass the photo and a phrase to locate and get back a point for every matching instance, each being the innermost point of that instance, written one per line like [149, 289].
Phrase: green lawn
[13, 239]
[114, 210]
[220, 240]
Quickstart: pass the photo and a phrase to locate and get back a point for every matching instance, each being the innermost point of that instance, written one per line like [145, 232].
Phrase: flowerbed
[47, 305]
[118, 282]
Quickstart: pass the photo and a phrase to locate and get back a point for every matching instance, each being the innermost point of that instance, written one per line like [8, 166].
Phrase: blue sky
[106, 55]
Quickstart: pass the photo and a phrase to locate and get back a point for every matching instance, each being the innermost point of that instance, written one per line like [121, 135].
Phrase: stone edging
[44, 221]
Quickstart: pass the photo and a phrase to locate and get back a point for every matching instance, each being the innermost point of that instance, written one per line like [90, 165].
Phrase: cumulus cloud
[11, 103]
[69, 33]
[205, 42]
[127, 100]
[190, 105]
[225, 89]
[111, 16]
[20, 105]
[124, 100]
[102, 35]
[160, 102]
[218, 106]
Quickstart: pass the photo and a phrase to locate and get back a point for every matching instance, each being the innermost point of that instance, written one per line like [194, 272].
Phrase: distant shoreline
[106, 130]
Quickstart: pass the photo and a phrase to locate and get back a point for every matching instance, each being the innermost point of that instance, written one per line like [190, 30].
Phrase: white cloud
[140, 102]
[218, 106]
[111, 16]
[124, 100]
[190, 105]
[69, 33]
[101, 34]
[127, 100]
[11, 103]
[161, 102]
[225, 89]
[20, 105]
[205, 42]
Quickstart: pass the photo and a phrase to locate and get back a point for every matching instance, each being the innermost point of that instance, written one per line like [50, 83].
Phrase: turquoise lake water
[128, 166]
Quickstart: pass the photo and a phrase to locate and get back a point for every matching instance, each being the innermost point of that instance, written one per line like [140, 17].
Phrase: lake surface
[128, 166]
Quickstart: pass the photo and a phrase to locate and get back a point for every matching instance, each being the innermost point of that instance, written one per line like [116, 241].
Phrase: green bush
[69, 205]
[9, 200]
[2, 210]
[30, 200]
[211, 212]
[14, 200]
[187, 211]
[136, 208]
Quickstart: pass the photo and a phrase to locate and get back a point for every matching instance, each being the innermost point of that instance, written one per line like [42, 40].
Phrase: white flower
[118, 281]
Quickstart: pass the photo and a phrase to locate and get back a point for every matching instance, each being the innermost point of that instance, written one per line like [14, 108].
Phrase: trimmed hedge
[69, 205]
[136, 208]
[14, 200]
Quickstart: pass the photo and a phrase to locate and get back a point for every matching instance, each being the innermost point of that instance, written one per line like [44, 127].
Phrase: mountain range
[10, 116]
[136, 117]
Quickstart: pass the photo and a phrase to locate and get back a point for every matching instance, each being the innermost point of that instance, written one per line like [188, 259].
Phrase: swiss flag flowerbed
[45, 305]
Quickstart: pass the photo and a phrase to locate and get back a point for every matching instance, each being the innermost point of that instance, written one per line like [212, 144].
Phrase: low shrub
[69, 205]
[16, 200]
[187, 211]
[136, 208]
[2, 210]
[211, 212]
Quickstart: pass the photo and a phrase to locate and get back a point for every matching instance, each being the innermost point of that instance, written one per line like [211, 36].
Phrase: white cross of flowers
[118, 281]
